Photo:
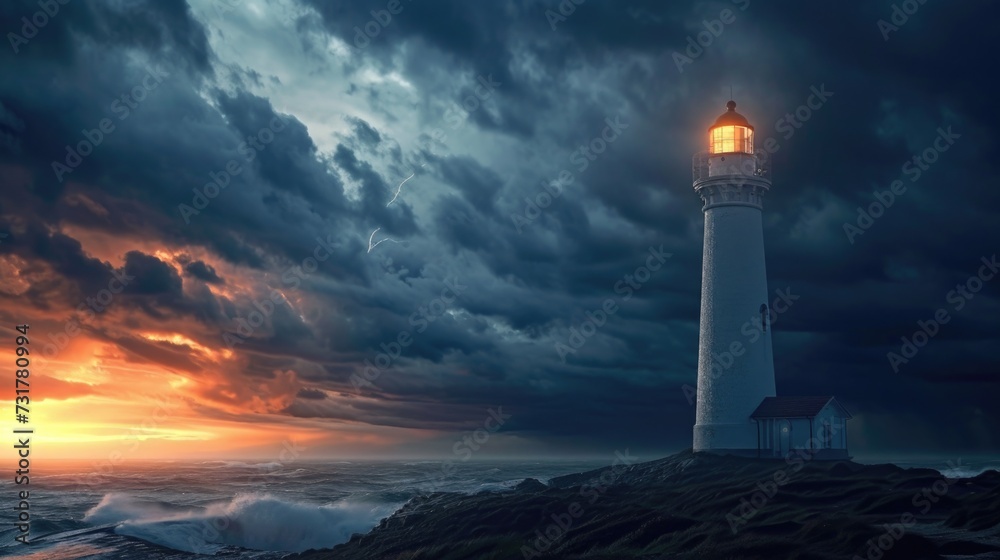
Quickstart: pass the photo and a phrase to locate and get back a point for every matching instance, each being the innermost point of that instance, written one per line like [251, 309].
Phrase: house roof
[794, 407]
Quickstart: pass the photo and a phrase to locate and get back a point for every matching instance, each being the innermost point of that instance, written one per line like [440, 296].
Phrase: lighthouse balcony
[706, 165]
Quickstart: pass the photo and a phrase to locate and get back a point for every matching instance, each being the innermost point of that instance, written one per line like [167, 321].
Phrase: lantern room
[731, 133]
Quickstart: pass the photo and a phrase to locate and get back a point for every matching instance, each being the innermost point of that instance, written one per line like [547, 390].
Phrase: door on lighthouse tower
[784, 437]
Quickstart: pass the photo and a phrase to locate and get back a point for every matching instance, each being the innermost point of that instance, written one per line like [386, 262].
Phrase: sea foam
[254, 521]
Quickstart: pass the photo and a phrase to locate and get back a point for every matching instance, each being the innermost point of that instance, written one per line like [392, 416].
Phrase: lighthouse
[738, 411]
[734, 374]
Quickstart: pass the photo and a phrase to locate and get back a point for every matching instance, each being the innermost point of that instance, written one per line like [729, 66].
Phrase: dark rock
[530, 485]
[696, 506]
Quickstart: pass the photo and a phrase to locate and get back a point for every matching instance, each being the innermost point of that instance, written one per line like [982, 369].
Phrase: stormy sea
[683, 506]
[233, 509]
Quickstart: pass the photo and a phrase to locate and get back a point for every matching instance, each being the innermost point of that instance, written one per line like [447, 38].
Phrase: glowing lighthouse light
[730, 147]
[731, 133]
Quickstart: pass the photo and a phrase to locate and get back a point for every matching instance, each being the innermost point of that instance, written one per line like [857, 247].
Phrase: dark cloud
[203, 272]
[149, 275]
[297, 216]
[311, 394]
[365, 132]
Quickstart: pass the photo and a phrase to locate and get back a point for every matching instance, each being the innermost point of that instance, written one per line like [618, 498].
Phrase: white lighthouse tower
[735, 366]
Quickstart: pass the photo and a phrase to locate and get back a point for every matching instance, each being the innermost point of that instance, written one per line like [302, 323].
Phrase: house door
[784, 437]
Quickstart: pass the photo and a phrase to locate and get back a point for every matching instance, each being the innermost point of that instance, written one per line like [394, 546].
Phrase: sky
[194, 198]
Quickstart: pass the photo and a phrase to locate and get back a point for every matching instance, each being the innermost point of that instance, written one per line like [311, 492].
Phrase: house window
[827, 434]
[763, 317]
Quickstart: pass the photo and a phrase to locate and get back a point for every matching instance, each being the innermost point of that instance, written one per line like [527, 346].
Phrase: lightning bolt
[370, 246]
[400, 187]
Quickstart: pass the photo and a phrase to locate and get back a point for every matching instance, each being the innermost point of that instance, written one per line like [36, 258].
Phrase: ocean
[258, 510]
[232, 509]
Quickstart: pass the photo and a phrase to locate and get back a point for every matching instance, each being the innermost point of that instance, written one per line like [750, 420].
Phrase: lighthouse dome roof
[731, 117]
